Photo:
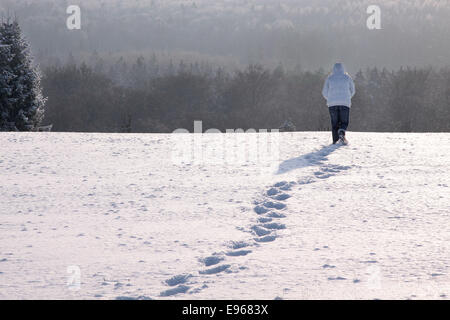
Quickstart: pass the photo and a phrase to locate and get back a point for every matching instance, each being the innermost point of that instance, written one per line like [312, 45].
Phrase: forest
[141, 97]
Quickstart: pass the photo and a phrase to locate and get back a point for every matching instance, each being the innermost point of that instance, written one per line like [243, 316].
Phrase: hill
[145, 216]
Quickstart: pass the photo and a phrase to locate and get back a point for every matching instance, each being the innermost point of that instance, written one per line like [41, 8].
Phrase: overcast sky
[306, 33]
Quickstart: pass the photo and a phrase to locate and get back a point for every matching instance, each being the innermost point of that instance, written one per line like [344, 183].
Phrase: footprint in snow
[274, 226]
[276, 215]
[260, 231]
[238, 244]
[282, 197]
[178, 279]
[266, 239]
[286, 187]
[280, 184]
[212, 260]
[217, 269]
[238, 253]
[274, 205]
[264, 220]
[260, 210]
[331, 170]
[174, 291]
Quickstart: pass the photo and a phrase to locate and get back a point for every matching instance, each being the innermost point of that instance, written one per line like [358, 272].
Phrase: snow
[363, 221]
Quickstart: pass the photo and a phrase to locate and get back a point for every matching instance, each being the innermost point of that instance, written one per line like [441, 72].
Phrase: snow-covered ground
[124, 217]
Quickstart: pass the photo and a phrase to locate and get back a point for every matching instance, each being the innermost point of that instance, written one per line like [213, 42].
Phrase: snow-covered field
[106, 216]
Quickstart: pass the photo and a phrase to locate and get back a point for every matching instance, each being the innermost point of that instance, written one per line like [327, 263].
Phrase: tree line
[132, 98]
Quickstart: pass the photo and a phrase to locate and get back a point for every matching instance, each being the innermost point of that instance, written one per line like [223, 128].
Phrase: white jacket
[339, 87]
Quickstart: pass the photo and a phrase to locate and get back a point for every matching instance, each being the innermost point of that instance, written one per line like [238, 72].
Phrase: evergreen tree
[6, 77]
[24, 103]
[360, 104]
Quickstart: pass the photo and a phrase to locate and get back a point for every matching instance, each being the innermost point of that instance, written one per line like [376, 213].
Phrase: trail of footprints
[270, 211]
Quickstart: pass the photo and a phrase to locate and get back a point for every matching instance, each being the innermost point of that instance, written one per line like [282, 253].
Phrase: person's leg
[334, 115]
[339, 119]
[344, 116]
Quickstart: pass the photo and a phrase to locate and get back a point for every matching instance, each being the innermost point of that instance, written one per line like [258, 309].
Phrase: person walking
[339, 90]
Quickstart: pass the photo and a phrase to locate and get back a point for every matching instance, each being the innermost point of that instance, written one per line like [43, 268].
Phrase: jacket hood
[338, 68]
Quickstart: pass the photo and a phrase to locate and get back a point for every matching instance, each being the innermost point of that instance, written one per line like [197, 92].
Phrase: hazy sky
[306, 33]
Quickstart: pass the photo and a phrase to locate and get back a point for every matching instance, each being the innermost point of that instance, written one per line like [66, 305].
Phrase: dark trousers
[339, 120]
